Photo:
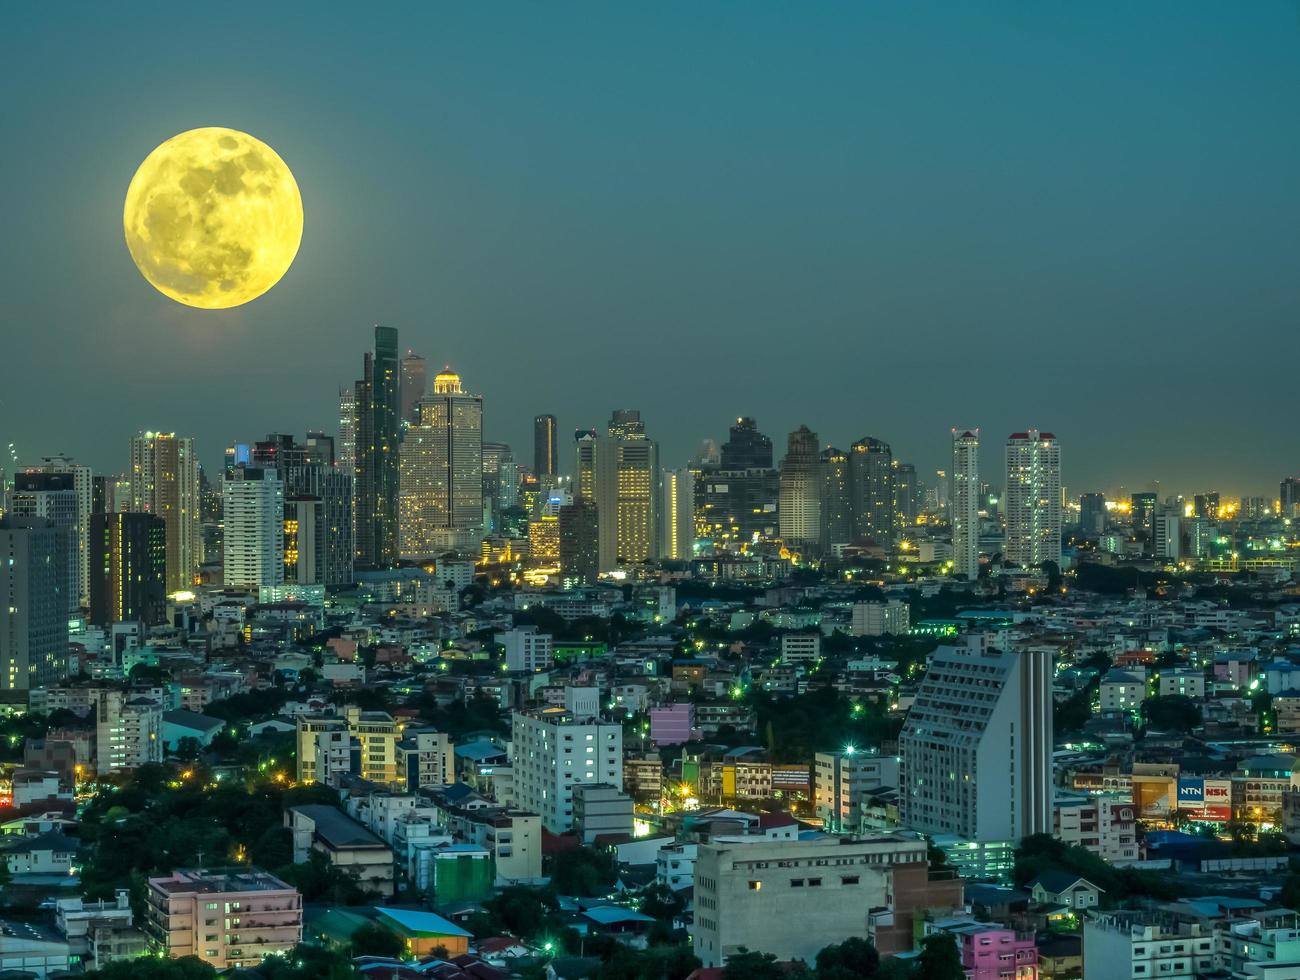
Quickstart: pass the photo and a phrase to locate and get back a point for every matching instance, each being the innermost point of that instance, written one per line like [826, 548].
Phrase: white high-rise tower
[1033, 499]
[965, 503]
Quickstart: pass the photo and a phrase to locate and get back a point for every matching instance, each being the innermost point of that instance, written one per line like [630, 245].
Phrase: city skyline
[920, 232]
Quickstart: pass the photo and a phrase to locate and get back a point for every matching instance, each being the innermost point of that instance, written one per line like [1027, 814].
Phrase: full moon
[213, 218]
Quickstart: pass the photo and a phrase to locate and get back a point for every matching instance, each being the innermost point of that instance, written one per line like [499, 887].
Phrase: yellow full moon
[213, 218]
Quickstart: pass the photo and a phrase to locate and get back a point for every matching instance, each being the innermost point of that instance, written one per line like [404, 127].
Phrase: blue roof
[609, 915]
[413, 920]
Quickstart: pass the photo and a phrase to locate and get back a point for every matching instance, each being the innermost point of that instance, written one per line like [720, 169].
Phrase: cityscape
[418, 647]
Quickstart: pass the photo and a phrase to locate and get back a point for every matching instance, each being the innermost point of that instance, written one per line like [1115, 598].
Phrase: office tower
[799, 505]
[377, 433]
[1092, 514]
[347, 444]
[1033, 499]
[83, 482]
[253, 515]
[1289, 497]
[871, 479]
[165, 481]
[414, 386]
[544, 537]
[1167, 533]
[556, 749]
[52, 496]
[128, 569]
[237, 454]
[500, 483]
[737, 502]
[546, 448]
[677, 510]
[836, 499]
[579, 543]
[34, 613]
[619, 473]
[1206, 505]
[976, 747]
[965, 503]
[442, 473]
[907, 496]
[1143, 511]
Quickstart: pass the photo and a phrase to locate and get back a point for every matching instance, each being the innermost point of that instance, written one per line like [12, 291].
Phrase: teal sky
[873, 218]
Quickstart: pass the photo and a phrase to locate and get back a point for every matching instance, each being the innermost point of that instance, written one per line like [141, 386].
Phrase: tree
[851, 959]
[1171, 712]
[582, 871]
[747, 965]
[149, 968]
[373, 939]
[940, 959]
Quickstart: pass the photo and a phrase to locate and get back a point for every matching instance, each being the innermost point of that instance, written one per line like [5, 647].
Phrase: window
[796, 882]
[755, 886]
[849, 879]
[814, 882]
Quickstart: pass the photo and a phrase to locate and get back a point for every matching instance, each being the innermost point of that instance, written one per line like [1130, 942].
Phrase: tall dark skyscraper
[579, 542]
[34, 615]
[747, 448]
[799, 509]
[871, 467]
[1092, 513]
[377, 425]
[1289, 496]
[128, 568]
[53, 496]
[414, 382]
[738, 500]
[546, 451]
[836, 499]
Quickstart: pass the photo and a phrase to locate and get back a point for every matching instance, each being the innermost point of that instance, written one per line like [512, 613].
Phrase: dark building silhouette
[546, 451]
[579, 542]
[128, 568]
[377, 425]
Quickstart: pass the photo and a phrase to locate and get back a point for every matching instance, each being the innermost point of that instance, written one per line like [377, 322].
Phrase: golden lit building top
[447, 382]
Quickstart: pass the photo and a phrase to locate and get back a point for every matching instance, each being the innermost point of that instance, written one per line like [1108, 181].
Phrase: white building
[977, 745]
[881, 618]
[252, 507]
[128, 731]
[1123, 690]
[1126, 944]
[553, 752]
[600, 810]
[527, 650]
[1182, 681]
[1107, 828]
[675, 865]
[965, 503]
[164, 480]
[800, 648]
[841, 781]
[1032, 501]
[1167, 533]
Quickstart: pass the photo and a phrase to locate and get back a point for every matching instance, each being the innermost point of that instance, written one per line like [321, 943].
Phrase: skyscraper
[1033, 499]
[347, 444]
[619, 473]
[1142, 510]
[871, 470]
[907, 496]
[546, 449]
[965, 503]
[83, 482]
[1289, 497]
[414, 384]
[799, 507]
[34, 615]
[500, 483]
[53, 497]
[579, 543]
[836, 499]
[128, 568]
[253, 516]
[442, 472]
[1092, 513]
[377, 430]
[976, 748]
[677, 515]
[318, 542]
[165, 481]
[737, 501]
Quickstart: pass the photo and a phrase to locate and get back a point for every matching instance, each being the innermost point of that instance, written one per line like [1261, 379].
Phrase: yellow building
[325, 744]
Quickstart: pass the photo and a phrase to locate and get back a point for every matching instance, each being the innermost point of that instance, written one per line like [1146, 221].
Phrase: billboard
[1205, 799]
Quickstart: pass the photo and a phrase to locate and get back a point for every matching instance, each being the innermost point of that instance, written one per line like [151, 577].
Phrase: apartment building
[362, 742]
[555, 749]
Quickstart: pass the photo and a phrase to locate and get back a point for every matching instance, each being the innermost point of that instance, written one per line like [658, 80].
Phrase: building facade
[164, 480]
[1033, 499]
[965, 503]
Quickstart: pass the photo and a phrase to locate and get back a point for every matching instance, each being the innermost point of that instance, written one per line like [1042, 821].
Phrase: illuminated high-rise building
[54, 497]
[165, 481]
[414, 385]
[836, 499]
[442, 472]
[347, 443]
[34, 613]
[1033, 499]
[1142, 510]
[799, 507]
[1206, 505]
[871, 469]
[907, 495]
[253, 517]
[965, 501]
[546, 448]
[1289, 497]
[377, 433]
[500, 483]
[128, 569]
[83, 482]
[736, 503]
[677, 515]
[619, 473]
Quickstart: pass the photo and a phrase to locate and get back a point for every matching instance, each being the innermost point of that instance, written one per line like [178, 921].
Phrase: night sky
[873, 218]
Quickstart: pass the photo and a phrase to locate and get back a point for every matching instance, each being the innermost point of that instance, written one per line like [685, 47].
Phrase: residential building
[52, 497]
[843, 781]
[619, 473]
[128, 568]
[83, 484]
[799, 511]
[427, 758]
[1146, 944]
[346, 844]
[34, 617]
[546, 447]
[373, 734]
[677, 515]
[980, 716]
[1033, 499]
[892, 617]
[965, 502]
[871, 470]
[554, 750]
[600, 810]
[413, 381]
[579, 545]
[836, 499]
[527, 650]
[801, 648]
[164, 480]
[226, 918]
[253, 542]
[128, 730]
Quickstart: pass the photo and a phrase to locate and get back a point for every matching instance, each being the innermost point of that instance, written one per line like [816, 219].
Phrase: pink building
[992, 953]
[672, 724]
